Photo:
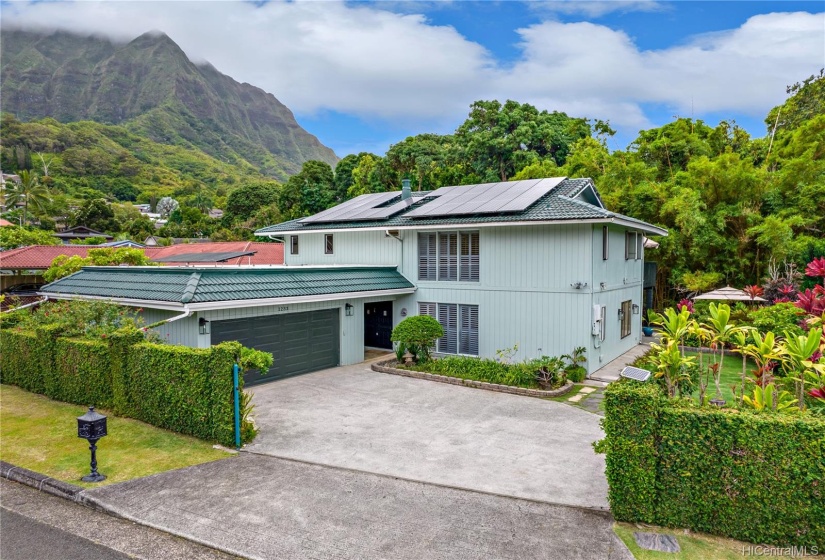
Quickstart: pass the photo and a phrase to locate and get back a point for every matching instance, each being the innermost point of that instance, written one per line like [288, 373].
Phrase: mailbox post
[92, 426]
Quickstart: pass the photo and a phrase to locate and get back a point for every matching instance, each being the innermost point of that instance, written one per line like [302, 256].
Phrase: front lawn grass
[731, 375]
[694, 546]
[40, 434]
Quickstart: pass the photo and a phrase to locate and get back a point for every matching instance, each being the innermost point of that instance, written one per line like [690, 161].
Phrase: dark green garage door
[299, 342]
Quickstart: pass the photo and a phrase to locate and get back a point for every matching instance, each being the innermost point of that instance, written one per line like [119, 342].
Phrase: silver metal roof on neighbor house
[552, 200]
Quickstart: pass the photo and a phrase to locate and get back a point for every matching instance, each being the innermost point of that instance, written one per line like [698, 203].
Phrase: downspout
[32, 304]
[186, 313]
[188, 294]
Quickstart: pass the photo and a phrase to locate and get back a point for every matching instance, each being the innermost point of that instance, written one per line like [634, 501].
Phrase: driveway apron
[355, 418]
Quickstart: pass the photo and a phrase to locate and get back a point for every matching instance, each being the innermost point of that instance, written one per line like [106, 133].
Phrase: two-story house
[538, 264]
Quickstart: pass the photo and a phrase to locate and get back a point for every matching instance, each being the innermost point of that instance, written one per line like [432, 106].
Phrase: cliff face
[151, 87]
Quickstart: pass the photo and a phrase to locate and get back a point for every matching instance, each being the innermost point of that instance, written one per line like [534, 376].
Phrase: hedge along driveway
[753, 477]
[187, 390]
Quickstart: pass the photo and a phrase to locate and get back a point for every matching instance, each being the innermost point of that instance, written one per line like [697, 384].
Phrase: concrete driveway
[352, 417]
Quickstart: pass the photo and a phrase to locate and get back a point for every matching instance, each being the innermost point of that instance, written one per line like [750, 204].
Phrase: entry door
[299, 342]
[378, 324]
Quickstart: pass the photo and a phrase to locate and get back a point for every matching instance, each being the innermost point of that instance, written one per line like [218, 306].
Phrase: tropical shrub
[575, 370]
[545, 372]
[778, 318]
[418, 334]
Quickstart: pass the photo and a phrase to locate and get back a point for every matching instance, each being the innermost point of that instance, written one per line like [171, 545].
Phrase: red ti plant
[754, 291]
[816, 269]
[764, 374]
[812, 301]
[817, 393]
[685, 303]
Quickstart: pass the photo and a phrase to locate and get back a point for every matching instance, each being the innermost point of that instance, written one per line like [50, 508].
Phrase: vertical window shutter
[448, 317]
[448, 256]
[426, 256]
[468, 337]
[426, 309]
[469, 257]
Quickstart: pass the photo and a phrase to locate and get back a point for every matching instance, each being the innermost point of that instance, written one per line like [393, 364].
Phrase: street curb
[386, 367]
[40, 482]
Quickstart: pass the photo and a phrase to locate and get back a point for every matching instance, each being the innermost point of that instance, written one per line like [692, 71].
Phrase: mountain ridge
[151, 87]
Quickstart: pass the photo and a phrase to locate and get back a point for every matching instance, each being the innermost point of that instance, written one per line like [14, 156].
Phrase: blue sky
[361, 76]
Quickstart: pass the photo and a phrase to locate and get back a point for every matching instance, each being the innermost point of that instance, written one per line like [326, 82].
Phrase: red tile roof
[265, 253]
[4, 222]
[41, 256]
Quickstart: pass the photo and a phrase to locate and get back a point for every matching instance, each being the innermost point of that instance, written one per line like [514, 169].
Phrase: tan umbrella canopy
[728, 294]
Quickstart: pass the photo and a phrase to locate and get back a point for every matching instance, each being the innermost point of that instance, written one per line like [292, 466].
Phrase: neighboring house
[4, 222]
[80, 232]
[538, 264]
[26, 265]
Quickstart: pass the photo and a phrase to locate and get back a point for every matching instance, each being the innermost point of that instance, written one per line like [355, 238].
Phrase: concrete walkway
[354, 418]
[610, 372]
[262, 507]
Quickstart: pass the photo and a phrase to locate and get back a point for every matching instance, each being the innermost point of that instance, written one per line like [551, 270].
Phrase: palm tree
[28, 191]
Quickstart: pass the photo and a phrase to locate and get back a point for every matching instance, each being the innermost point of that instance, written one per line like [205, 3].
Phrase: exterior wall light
[635, 309]
[349, 310]
[203, 326]
[91, 427]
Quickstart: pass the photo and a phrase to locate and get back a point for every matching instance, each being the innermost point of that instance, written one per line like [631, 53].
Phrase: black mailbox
[92, 426]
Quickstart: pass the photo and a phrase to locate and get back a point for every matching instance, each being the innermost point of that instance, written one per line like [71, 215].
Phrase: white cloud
[368, 61]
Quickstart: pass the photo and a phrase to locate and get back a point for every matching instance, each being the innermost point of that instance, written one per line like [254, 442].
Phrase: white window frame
[329, 244]
[632, 245]
[293, 244]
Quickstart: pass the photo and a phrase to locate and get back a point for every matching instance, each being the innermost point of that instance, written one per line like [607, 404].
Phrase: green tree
[12, 237]
[308, 192]
[28, 192]
[64, 265]
[96, 214]
[244, 201]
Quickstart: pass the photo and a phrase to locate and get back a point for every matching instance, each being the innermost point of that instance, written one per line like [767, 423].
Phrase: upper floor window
[633, 245]
[605, 242]
[328, 244]
[449, 256]
[293, 244]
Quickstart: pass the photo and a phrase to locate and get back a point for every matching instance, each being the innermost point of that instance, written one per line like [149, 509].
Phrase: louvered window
[468, 329]
[460, 324]
[448, 317]
[469, 258]
[427, 263]
[448, 256]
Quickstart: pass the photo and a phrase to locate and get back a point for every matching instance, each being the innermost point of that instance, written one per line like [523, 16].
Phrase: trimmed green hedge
[187, 390]
[754, 477]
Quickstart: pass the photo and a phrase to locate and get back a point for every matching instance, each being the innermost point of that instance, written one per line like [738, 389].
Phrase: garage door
[299, 342]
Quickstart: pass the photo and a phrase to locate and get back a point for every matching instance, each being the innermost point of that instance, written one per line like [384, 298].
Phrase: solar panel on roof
[343, 211]
[205, 257]
[486, 198]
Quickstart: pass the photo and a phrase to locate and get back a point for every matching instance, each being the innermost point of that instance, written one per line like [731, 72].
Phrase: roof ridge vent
[191, 287]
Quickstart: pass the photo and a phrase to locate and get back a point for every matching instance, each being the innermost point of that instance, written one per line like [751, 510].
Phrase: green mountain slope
[150, 87]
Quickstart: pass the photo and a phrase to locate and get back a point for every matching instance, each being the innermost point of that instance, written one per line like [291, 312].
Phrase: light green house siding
[349, 247]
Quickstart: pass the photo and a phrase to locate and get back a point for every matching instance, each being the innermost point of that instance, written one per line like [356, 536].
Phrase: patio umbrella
[728, 294]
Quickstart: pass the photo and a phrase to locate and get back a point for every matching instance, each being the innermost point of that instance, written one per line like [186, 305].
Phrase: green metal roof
[185, 285]
[560, 204]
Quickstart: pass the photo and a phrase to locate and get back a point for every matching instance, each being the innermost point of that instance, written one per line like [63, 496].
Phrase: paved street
[37, 526]
[268, 508]
[420, 430]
